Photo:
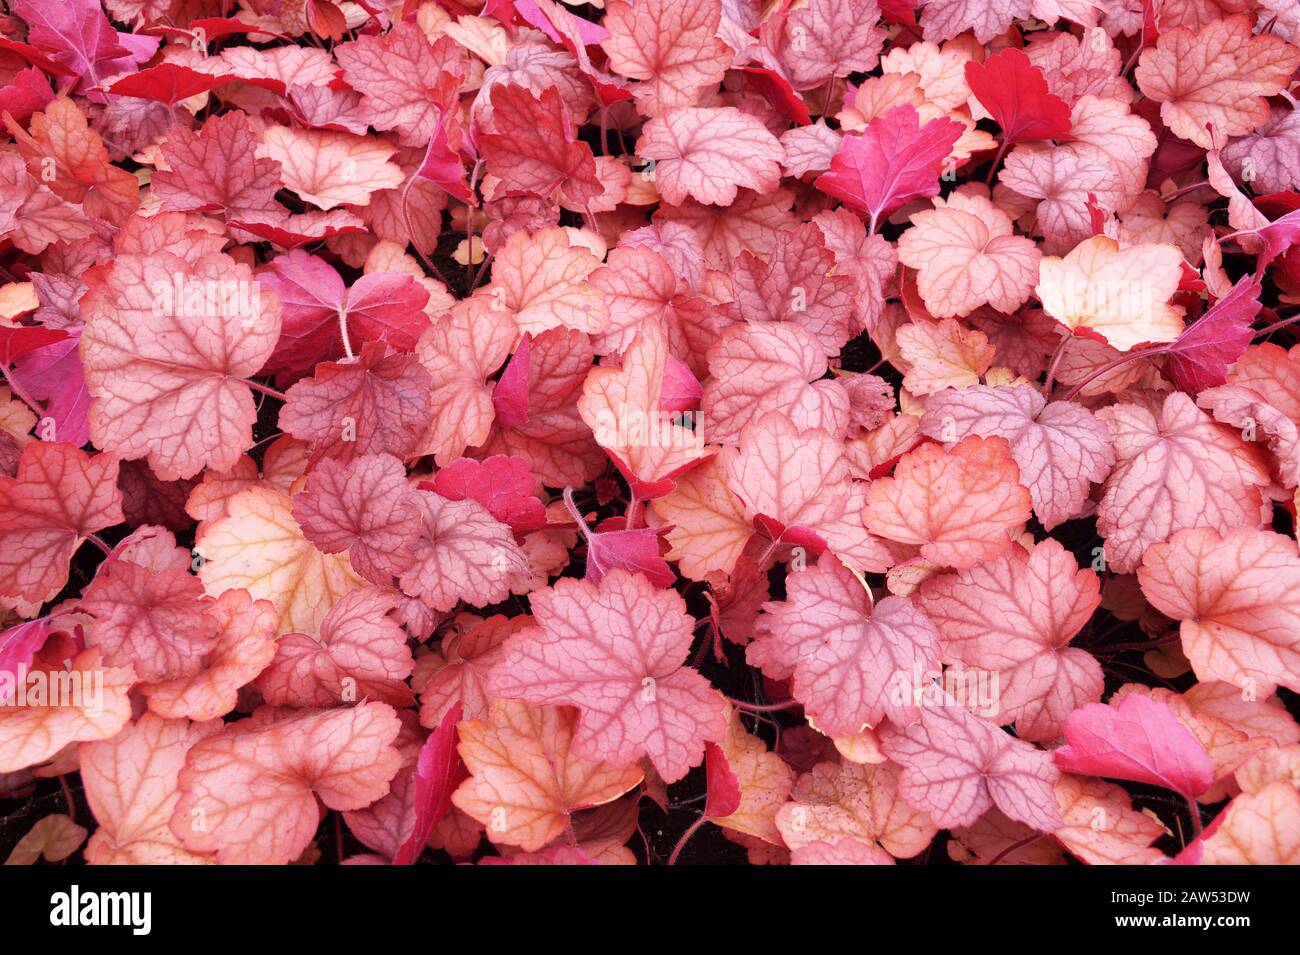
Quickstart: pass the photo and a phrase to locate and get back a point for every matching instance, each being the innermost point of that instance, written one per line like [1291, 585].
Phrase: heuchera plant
[812, 432]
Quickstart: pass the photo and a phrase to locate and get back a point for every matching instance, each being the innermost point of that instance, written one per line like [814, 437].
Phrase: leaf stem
[1111, 366]
[266, 389]
[577, 516]
[1178, 193]
[1194, 811]
[1028, 840]
[1055, 363]
[997, 161]
[1269, 329]
[686, 837]
[343, 332]
[764, 707]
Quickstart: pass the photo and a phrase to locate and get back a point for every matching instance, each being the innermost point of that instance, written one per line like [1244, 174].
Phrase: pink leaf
[1015, 616]
[894, 160]
[532, 149]
[257, 783]
[1060, 447]
[362, 506]
[1138, 739]
[360, 653]
[708, 154]
[1199, 358]
[616, 651]
[957, 766]
[378, 405]
[845, 652]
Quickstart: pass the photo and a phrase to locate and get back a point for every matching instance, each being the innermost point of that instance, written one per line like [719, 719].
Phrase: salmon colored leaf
[376, 405]
[328, 168]
[216, 169]
[458, 674]
[850, 801]
[259, 547]
[945, 19]
[1257, 829]
[400, 76]
[967, 255]
[672, 47]
[824, 39]
[1115, 295]
[763, 781]
[526, 778]
[709, 153]
[32, 732]
[1235, 595]
[959, 506]
[1174, 471]
[245, 644]
[796, 281]
[155, 622]
[1060, 447]
[249, 793]
[60, 496]
[708, 528]
[1219, 75]
[795, 484]
[531, 146]
[464, 347]
[132, 788]
[462, 553]
[360, 653]
[363, 507]
[763, 366]
[167, 342]
[1124, 839]
[621, 405]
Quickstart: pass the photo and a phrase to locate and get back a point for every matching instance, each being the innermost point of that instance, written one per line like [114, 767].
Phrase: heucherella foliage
[813, 432]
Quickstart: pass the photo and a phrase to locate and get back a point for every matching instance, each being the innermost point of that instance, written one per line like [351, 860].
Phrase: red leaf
[438, 770]
[1015, 92]
[168, 83]
[504, 485]
[723, 786]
